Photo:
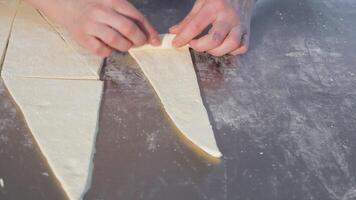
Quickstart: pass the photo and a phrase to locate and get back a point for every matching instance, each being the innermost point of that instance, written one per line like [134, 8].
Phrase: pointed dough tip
[213, 151]
[216, 154]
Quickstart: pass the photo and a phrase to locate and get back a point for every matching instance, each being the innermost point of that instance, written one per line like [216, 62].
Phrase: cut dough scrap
[34, 43]
[7, 14]
[62, 115]
[173, 77]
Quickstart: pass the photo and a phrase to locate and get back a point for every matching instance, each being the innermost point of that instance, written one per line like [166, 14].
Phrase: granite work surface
[284, 117]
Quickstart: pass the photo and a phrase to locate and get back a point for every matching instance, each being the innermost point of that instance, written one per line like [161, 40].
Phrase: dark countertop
[284, 116]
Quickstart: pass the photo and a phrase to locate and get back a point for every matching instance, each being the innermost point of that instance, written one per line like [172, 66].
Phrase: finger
[215, 38]
[127, 9]
[123, 25]
[153, 37]
[110, 37]
[177, 28]
[96, 46]
[243, 47]
[200, 21]
[231, 43]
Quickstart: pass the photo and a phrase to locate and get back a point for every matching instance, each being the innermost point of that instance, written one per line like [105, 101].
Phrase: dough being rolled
[171, 73]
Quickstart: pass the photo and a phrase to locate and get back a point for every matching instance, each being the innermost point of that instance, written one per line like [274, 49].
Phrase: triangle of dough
[7, 14]
[62, 115]
[34, 44]
[172, 75]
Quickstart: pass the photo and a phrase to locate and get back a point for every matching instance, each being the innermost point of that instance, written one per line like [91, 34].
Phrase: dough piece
[34, 43]
[7, 14]
[62, 115]
[172, 75]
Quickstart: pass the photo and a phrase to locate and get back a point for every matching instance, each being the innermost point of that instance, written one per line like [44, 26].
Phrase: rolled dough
[34, 44]
[62, 116]
[171, 73]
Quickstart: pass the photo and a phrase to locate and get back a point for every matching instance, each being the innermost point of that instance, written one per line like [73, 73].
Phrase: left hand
[230, 31]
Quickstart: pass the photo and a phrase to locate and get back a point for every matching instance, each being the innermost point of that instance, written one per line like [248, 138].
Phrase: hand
[102, 25]
[230, 31]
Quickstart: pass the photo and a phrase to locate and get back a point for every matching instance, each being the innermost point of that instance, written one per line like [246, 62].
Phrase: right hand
[104, 25]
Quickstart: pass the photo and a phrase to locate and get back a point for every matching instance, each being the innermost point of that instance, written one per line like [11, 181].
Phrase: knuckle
[113, 39]
[98, 49]
[125, 46]
[129, 28]
[141, 42]
[217, 38]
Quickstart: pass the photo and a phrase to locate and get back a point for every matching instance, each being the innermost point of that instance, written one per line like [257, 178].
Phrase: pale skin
[102, 26]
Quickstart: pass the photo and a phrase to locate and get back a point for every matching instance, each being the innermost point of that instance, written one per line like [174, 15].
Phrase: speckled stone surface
[284, 116]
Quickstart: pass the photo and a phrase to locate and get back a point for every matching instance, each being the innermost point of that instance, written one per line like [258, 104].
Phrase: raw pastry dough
[61, 113]
[62, 116]
[7, 13]
[34, 44]
[172, 75]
